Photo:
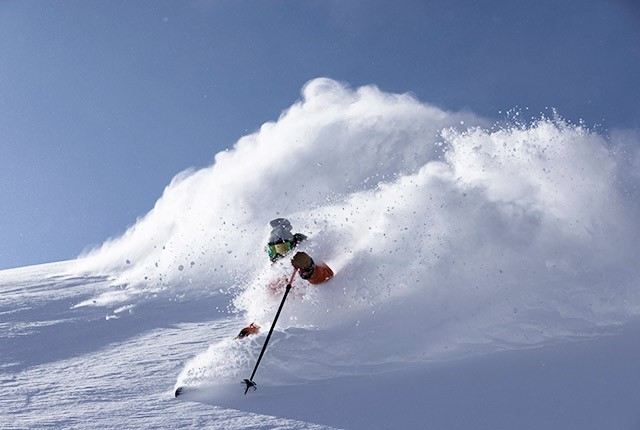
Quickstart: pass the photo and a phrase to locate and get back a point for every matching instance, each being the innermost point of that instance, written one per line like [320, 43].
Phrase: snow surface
[486, 277]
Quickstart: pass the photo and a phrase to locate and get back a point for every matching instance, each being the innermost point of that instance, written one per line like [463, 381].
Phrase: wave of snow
[449, 235]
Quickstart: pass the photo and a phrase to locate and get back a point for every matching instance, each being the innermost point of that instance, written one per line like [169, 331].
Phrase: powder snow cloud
[490, 235]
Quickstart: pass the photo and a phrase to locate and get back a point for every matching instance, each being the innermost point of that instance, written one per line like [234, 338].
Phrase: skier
[281, 240]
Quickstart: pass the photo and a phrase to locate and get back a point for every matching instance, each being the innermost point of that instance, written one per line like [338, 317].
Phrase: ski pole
[249, 382]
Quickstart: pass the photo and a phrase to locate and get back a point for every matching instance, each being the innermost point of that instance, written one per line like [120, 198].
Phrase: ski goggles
[276, 250]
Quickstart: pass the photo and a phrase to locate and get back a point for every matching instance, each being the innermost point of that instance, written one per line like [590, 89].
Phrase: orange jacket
[321, 273]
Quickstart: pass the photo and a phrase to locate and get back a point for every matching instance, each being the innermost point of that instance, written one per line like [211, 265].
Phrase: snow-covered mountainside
[486, 276]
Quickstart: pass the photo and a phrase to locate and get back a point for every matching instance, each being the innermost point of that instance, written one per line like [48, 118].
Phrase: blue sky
[103, 102]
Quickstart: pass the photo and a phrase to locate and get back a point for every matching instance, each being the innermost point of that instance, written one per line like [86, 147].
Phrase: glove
[301, 261]
[297, 238]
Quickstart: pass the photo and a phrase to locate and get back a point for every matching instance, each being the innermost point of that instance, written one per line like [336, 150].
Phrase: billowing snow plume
[447, 235]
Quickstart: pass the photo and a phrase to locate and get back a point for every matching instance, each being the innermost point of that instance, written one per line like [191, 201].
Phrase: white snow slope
[486, 277]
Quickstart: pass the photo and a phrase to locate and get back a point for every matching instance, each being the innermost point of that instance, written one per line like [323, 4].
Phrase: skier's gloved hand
[302, 261]
[297, 238]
